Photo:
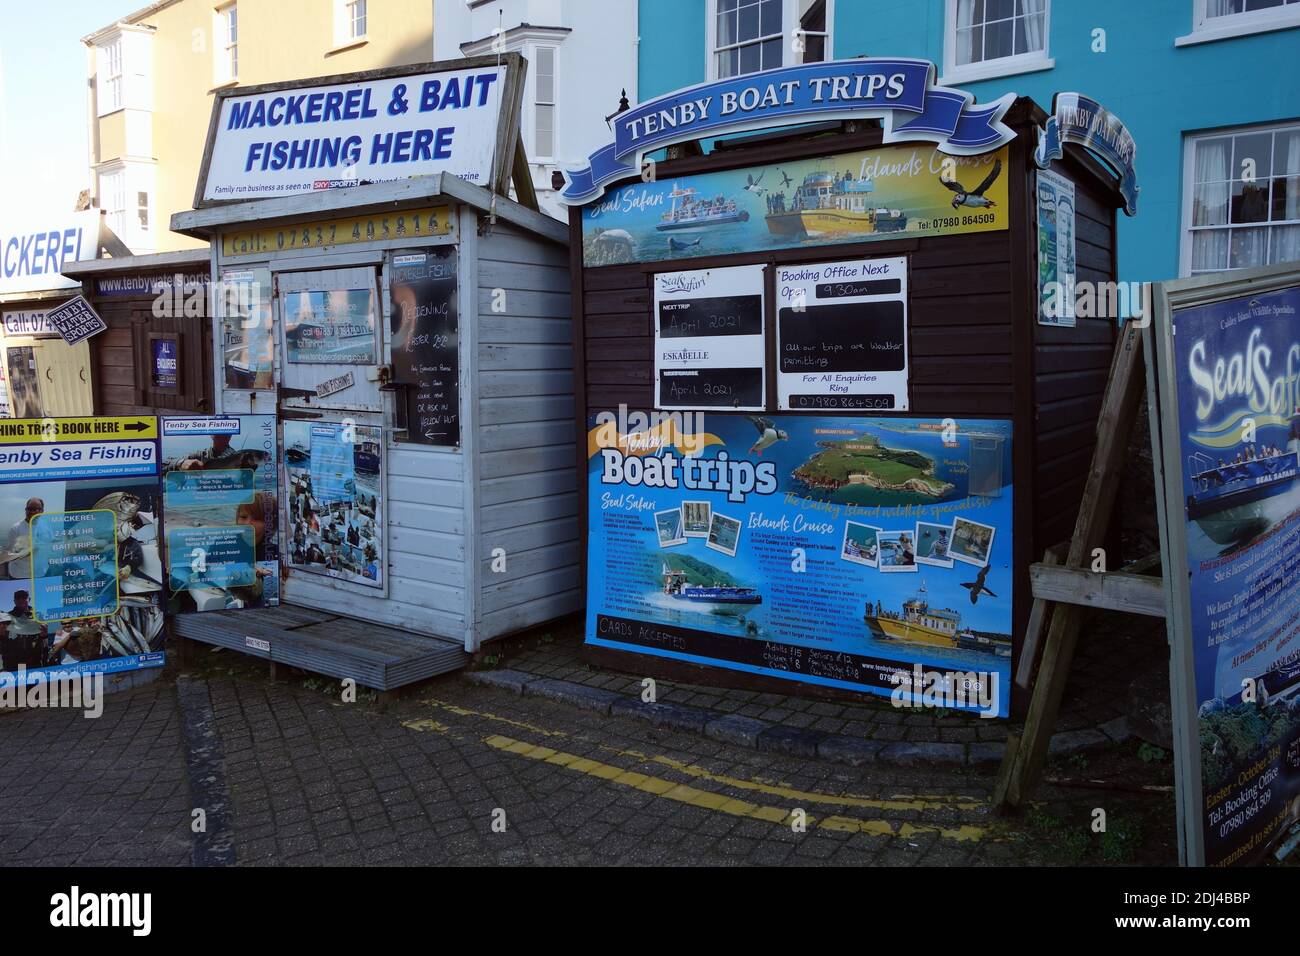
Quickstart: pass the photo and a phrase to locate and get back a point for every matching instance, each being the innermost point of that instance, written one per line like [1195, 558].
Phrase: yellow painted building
[153, 75]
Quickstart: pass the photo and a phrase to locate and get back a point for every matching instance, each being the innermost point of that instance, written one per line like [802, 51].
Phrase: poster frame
[1169, 298]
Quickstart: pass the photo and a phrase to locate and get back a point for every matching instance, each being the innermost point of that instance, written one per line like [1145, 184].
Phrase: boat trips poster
[832, 550]
[220, 493]
[877, 194]
[1237, 375]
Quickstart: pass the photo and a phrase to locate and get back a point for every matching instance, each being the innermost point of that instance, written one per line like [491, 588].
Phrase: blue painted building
[1210, 90]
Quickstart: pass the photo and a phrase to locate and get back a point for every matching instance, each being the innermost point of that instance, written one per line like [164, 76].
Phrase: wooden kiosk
[400, 303]
[712, 277]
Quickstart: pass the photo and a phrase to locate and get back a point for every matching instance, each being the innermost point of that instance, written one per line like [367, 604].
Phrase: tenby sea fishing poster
[890, 192]
[872, 555]
[81, 576]
[220, 495]
[1231, 436]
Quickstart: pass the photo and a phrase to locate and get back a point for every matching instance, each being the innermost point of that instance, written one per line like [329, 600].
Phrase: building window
[1210, 11]
[997, 29]
[356, 18]
[1242, 207]
[349, 21]
[226, 65]
[813, 32]
[544, 104]
[747, 36]
[112, 199]
[108, 67]
[142, 209]
[987, 38]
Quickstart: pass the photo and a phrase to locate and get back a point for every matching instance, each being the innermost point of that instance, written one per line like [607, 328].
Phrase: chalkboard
[844, 337]
[425, 340]
[716, 315]
[711, 387]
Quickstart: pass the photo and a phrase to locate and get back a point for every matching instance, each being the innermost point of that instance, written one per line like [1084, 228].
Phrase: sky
[43, 158]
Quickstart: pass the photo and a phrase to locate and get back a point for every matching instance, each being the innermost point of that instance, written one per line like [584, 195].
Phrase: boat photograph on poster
[884, 193]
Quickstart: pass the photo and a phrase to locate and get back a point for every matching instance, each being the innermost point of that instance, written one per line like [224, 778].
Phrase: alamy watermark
[37, 690]
[954, 690]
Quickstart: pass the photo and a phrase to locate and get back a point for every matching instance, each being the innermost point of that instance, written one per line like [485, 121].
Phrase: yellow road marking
[466, 712]
[812, 796]
[425, 723]
[776, 789]
[693, 796]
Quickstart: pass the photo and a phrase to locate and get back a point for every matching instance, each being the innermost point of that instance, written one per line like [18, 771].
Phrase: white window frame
[111, 85]
[789, 25]
[225, 54]
[554, 103]
[1186, 230]
[987, 69]
[344, 38]
[113, 178]
[1207, 29]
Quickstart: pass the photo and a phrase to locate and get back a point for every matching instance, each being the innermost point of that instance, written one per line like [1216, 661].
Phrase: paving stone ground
[1112, 650]
[308, 779]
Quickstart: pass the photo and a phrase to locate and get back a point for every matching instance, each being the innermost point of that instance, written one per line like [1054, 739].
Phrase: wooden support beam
[522, 177]
[1113, 590]
[1037, 621]
[1026, 754]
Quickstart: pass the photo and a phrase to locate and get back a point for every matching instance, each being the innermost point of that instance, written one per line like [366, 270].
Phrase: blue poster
[166, 365]
[81, 574]
[870, 554]
[220, 489]
[1237, 371]
[74, 565]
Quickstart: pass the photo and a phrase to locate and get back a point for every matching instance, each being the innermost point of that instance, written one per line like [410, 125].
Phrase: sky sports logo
[74, 910]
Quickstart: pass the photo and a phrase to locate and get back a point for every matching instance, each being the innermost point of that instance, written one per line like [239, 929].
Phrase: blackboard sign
[843, 337]
[425, 340]
[841, 330]
[715, 315]
[709, 347]
[75, 320]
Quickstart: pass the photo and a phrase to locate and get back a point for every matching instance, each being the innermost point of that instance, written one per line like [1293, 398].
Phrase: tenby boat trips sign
[1082, 120]
[899, 91]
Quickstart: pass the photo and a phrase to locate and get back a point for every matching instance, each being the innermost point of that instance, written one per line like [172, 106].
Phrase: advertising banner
[34, 254]
[80, 571]
[841, 335]
[220, 495]
[330, 328]
[307, 138]
[334, 480]
[867, 554]
[248, 329]
[710, 350]
[1233, 437]
[898, 91]
[33, 322]
[890, 192]
[1056, 250]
